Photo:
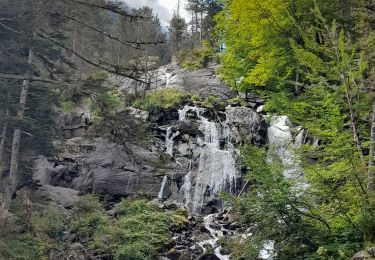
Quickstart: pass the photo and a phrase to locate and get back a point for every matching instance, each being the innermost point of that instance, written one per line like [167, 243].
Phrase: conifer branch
[133, 44]
[116, 70]
[109, 6]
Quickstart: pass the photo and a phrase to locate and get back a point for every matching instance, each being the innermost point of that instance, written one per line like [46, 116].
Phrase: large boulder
[63, 196]
[246, 124]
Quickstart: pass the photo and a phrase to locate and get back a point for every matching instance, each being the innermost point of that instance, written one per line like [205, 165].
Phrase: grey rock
[139, 114]
[124, 183]
[77, 246]
[64, 196]
[245, 121]
[365, 254]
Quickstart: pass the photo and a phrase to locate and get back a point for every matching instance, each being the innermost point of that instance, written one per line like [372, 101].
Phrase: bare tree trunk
[14, 161]
[201, 30]
[353, 125]
[297, 89]
[74, 41]
[2, 143]
[371, 161]
[192, 30]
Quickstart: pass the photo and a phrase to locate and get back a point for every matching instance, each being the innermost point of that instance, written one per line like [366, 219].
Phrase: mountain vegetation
[310, 60]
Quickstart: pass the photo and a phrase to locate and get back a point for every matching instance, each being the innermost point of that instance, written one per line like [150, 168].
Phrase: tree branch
[23, 77]
[9, 28]
[113, 70]
[109, 6]
[134, 44]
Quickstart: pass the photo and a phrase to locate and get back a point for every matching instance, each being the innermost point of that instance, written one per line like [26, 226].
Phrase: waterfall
[268, 251]
[182, 112]
[282, 145]
[167, 78]
[162, 187]
[216, 234]
[217, 169]
[186, 187]
[169, 140]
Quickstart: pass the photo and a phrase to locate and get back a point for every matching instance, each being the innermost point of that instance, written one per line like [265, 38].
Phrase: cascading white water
[169, 140]
[217, 169]
[216, 235]
[268, 251]
[281, 145]
[162, 187]
[186, 187]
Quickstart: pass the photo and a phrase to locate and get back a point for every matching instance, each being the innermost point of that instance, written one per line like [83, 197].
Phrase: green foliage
[237, 101]
[159, 99]
[21, 246]
[179, 219]
[275, 210]
[90, 217]
[16, 242]
[49, 222]
[139, 232]
[196, 58]
[213, 102]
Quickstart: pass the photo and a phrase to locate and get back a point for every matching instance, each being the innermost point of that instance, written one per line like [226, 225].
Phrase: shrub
[179, 219]
[213, 102]
[90, 218]
[159, 99]
[196, 58]
[49, 222]
[142, 229]
[19, 247]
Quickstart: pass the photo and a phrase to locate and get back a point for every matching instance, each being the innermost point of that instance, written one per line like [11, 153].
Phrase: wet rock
[224, 251]
[215, 226]
[174, 254]
[208, 257]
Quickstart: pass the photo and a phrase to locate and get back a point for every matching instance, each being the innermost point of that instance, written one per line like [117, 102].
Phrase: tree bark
[14, 160]
[74, 41]
[2, 143]
[353, 125]
[371, 162]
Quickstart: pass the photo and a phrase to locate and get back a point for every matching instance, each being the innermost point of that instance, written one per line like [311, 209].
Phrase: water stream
[217, 168]
[217, 232]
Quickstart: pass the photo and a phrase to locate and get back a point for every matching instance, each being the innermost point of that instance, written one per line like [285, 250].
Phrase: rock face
[191, 159]
[203, 143]
[203, 82]
[248, 126]
[365, 255]
[64, 196]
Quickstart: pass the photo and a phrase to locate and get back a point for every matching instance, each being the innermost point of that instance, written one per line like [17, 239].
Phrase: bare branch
[9, 28]
[24, 77]
[109, 6]
[113, 69]
[134, 44]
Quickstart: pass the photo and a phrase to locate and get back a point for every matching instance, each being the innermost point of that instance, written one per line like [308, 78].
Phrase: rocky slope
[191, 158]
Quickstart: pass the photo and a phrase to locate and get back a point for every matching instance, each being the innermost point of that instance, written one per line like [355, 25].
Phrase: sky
[164, 8]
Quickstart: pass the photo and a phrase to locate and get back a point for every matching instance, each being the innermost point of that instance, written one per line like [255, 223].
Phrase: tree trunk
[74, 41]
[353, 125]
[201, 30]
[371, 162]
[2, 143]
[14, 160]
[297, 88]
